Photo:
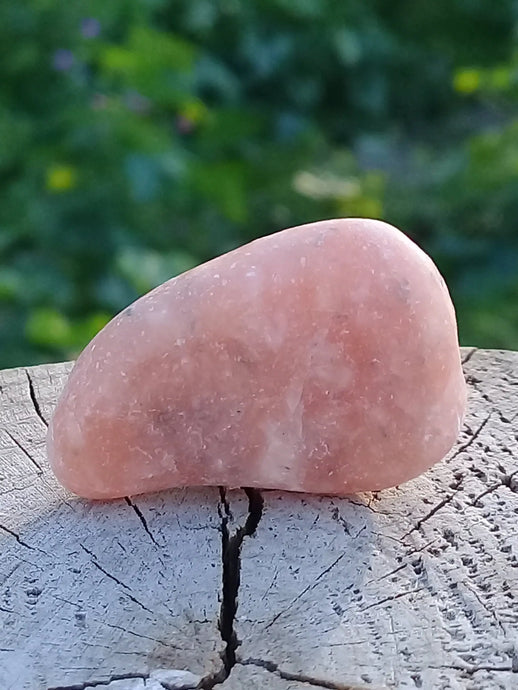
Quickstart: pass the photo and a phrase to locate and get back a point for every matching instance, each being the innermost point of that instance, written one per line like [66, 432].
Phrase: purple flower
[184, 125]
[90, 27]
[99, 102]
[63, 59]
[136, 102]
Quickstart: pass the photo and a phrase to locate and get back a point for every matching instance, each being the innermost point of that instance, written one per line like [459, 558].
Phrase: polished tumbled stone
[323, 358]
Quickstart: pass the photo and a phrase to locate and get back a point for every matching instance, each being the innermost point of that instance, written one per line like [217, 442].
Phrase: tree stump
[414, 587]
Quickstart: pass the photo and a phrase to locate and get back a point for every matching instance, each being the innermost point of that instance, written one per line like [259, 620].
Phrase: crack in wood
[368, 506]
[471, 670]
[468, 356]
[507, 480]
[407, 555]
[114, 679]
[136, 634]
[99, 683]
[458, 486]
[302, 677]
[231, 561]
[142, 519]
[391, 572]
[484, 605]
[128, 589]
[19, 539]
[473, 381]
[34, 399]
[392, 598]
[473, 438]
[305, 590]
[434, 510]
[25, 452]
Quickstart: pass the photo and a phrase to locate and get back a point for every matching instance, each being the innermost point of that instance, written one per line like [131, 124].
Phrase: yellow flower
[466, 81]
[60, 178]
[195, 111]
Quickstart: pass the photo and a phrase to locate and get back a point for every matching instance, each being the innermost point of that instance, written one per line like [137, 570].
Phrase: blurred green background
[141, 137]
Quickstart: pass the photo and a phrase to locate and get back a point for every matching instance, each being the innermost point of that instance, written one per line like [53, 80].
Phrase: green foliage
[140, 137]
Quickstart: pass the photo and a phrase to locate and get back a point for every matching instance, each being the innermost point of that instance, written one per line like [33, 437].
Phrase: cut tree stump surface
[414, 587]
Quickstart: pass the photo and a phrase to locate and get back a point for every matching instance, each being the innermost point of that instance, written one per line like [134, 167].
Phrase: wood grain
[91, 591]
[415, 587]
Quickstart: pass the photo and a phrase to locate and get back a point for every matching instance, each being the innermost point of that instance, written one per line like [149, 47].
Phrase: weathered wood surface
[416, 587]
[92, 591]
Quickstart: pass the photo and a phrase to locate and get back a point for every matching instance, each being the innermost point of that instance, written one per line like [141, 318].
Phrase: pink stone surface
[323, 358]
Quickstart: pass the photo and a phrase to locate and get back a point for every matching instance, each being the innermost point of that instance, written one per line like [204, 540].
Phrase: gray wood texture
[414, 587]
[91, 591]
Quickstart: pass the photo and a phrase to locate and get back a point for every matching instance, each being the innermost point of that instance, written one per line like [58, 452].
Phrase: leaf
[48, 328]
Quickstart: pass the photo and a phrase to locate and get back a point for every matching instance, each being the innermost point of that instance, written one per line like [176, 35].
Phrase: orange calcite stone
[323, 358]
